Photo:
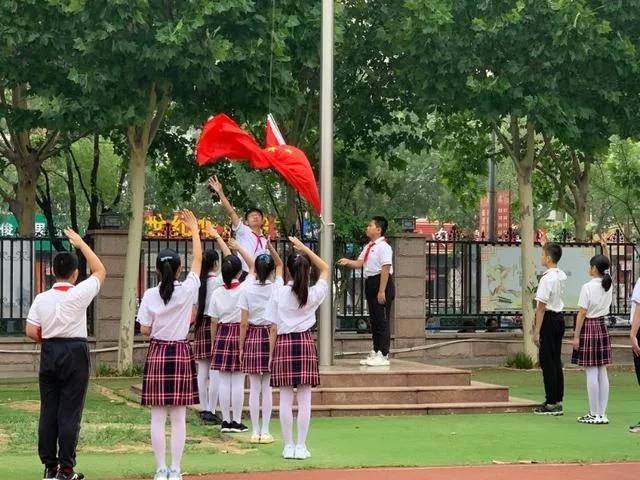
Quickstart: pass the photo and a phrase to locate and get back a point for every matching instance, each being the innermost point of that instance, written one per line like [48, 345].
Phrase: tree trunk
[94, 223]
[527, 254]
[136, 182]
[73, 198]
[580, 221]
[25, 205]
[580, 193]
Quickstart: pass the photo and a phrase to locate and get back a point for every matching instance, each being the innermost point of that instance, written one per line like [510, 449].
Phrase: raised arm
[191, 223]
[354, 264]
[216, 186]
[277, 260]
[233, 243]
[95, 265]
[220, 241]
[317, 262]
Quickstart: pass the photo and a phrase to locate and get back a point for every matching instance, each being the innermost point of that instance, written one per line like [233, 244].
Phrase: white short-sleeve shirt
[170, 322]
[594, 299]
[635, 298]
[214, 282]
[551, 289]
[380, 254]
[224, 302]
[254, 244]
[255, 298]
[61, 312]
[284, 309]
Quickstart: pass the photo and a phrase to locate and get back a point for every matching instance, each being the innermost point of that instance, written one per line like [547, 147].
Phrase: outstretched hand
[215, 185]
[297, 244]
[190, 220]
[233, 244]
[75, 239]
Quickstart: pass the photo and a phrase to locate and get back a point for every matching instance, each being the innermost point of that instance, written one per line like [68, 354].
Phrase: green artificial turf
[114, 438]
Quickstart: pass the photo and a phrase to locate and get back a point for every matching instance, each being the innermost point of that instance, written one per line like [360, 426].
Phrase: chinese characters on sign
[156, 226]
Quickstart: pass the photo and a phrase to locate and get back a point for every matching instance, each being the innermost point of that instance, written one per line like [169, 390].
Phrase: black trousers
[636, 360]
[550, 356]
[64, 378]
[379, 314]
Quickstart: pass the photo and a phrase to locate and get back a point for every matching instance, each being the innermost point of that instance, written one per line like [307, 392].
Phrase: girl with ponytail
[294, 355]
[225, 331]
[208, 380]
[255, 332]
[591, 343]
[169, 383]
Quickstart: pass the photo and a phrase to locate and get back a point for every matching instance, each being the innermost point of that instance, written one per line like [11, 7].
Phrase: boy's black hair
[381, 223]
[251, 210]
[64, 264]
[553, 251]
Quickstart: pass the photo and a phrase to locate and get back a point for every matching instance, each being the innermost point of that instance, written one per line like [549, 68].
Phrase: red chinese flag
[222, 137]
[272, 135]
[292, 165]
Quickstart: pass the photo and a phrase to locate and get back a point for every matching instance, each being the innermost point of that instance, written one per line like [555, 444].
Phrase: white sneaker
[379, 361]
[161, 474]
[365, 361]
[175, 474]
[289, 452]
[603, 420]
[301, 452]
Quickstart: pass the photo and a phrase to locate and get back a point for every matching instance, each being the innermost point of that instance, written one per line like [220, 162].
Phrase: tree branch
[77, 168]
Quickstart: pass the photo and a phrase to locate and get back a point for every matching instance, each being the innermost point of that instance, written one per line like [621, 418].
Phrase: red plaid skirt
[202, 346]
[226, 352]
[295, 361]
[169, 375]
[595, 345]
[255, 356]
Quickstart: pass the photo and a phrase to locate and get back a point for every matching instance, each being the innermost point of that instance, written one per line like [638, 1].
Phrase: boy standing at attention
[377, 260]
[58, 319]
[548, 329]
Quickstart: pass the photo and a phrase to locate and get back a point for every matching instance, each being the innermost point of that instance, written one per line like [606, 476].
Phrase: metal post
[491, 234]
[325, 327]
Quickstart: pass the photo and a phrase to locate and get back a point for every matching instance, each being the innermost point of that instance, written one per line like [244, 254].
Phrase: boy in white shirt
[58, 319]
[250, 235]
[377, 260]
[549, 329]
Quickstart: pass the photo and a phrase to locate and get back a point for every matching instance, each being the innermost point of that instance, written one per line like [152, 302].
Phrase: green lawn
[114, 438]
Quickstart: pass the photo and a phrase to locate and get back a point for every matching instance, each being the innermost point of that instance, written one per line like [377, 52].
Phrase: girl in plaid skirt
[169, 383]
[208, 379]
[225, 330]
[591, 344]
[294, 356]
[255, 332]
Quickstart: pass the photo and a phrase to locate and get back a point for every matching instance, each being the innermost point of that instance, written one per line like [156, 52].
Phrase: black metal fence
[25, 271]
[348, 285]
[456, 270]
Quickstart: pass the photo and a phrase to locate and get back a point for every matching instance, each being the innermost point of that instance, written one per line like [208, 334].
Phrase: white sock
[237, 395]
[224, 396]
[286, 414]
[593, 390]
[178, 435]
[255, 387]
[267, 403]
[203, 381]
[214, 384]
[603, 382]
[304, 412]
[158, 441]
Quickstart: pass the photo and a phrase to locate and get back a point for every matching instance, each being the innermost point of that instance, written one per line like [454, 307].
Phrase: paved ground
[613, 471]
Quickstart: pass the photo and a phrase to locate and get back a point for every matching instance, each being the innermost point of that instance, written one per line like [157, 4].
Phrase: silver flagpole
[325, 327]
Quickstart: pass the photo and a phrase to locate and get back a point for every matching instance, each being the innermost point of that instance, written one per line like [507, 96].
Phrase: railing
[25, 271]
[457, 272]
[348, 285]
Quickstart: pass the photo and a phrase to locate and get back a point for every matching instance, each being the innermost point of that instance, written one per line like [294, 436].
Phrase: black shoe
[225, 427]
[553, 410]
[69, 476]
[242, 427]
[215, 419]
[210, 418]
[50, 473]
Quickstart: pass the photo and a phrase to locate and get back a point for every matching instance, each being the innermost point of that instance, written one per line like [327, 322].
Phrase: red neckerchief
[369, 247]
[62, 288]
[258, 242]
[234, 284]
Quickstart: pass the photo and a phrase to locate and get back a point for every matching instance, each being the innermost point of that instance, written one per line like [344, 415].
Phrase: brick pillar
[408, 315]
[111, 247]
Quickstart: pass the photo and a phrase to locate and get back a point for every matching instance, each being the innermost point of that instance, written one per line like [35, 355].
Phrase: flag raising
[222, 137]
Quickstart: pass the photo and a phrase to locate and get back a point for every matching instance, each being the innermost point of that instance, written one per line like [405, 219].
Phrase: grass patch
[114, 439]
[521, 361]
